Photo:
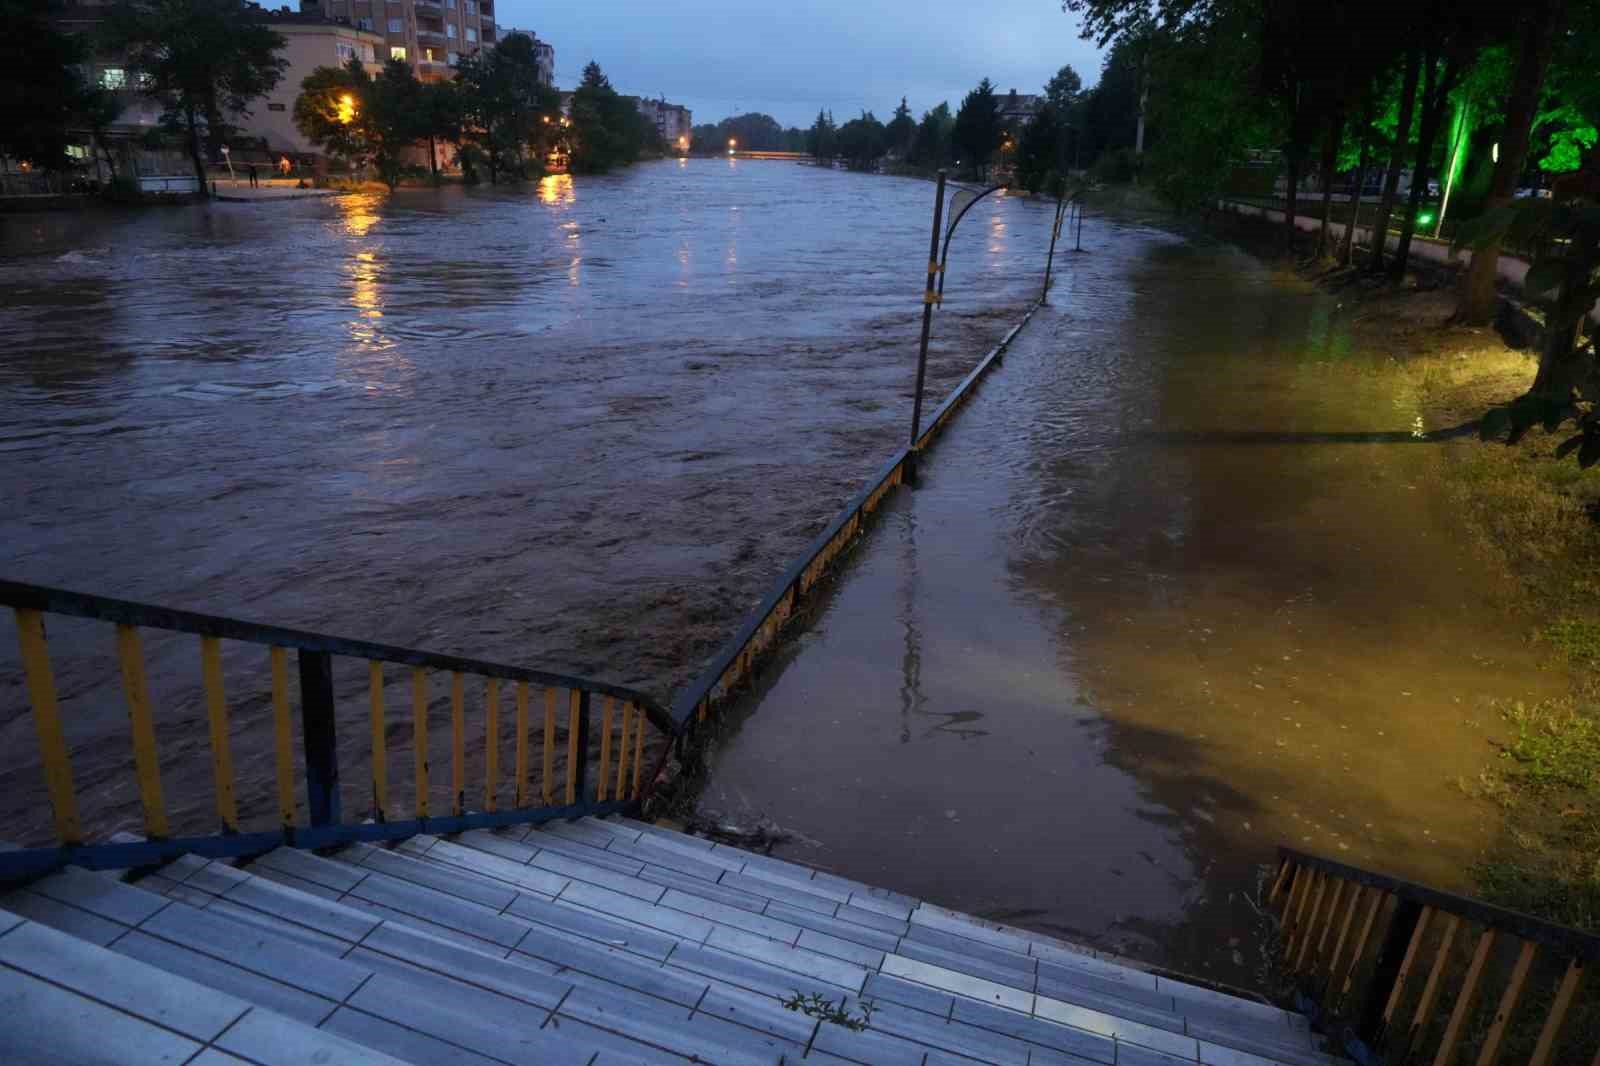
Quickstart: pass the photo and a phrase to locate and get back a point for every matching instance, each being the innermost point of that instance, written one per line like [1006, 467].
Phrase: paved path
[269, 189]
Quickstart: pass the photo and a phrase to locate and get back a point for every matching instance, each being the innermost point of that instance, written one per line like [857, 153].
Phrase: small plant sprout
[817, 1006]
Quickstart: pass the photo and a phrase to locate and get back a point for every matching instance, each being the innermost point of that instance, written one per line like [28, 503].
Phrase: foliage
[977, 130]
[327, 109]
[1041, 153]
[40, 87]
[931, 146]
[203, 61]
[818, 1006]
[513, 119]
[607, 130]
[1063, 89]
[822, 138]
[901, 130]
[862, 141]
[1556, 745]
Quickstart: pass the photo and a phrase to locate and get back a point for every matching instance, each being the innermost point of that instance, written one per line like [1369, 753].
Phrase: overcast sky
[724, 57]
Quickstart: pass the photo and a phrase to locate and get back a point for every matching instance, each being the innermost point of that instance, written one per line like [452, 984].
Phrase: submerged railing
[616, 787]
[1398, 933]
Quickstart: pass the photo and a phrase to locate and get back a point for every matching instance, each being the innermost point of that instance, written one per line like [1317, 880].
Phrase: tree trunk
[194, 152]
[1291, 205]
[1347, 248]
[1397, 158]
[433, 159]
[1536, 41]
[1436, 87]
[1330, 160]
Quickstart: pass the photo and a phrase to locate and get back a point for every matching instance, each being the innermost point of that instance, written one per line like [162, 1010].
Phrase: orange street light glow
[347, 109]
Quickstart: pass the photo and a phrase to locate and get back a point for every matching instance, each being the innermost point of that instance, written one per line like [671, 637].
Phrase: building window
[275, 107]
[450, 30]
[471, 6]
[452, 58]
[472, 35]
[450, 5]
[364, 23]
[346, 51]
[113, 78]
[77, 152]
[368, 54]
[397, 52]
[397, 26]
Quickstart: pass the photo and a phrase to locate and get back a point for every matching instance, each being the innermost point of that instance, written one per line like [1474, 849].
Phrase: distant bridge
[769, 155]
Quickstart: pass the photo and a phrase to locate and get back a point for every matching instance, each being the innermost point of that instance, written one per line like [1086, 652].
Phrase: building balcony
[430, 37]
[432, 7]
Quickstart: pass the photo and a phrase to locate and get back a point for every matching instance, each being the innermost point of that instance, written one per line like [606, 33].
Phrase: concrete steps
[587, 942]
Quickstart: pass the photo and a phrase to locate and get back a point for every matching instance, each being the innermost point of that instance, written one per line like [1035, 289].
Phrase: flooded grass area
[1207, 567]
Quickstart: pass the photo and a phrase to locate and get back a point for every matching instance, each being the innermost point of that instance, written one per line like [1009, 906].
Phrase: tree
[820, 139]
[901, 131]
[1063, 90]
[931, 147]
[506, 112]
[204, 61]
[440, 118]
[607, 129]
[862, 141]
[326, 111]
[1536, 31]
[40, 87]
[1041, 151]
[364, 120]
[977, 130]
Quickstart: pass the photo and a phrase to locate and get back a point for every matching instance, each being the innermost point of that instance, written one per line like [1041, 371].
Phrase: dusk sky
[724, 57]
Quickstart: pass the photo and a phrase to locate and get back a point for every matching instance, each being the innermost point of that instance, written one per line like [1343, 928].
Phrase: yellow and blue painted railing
[571, 700]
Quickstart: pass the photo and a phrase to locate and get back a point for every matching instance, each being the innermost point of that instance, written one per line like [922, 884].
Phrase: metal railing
[616, 786]
[1399, 933]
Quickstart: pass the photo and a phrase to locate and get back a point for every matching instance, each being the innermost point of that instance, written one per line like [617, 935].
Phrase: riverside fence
[594, 778]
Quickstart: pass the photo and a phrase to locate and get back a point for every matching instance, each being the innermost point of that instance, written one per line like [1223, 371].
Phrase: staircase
[585, 942]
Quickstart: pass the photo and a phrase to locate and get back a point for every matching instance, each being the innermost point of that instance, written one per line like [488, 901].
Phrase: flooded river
[1181, 584]
[576, 425]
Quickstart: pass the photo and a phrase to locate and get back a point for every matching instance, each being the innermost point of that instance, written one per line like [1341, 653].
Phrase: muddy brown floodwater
[577, 425]
[1182, 583]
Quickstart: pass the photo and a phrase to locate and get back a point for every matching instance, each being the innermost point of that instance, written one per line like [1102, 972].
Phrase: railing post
[580, 767]
[1390, 956]
[929, 295]
[321, 737]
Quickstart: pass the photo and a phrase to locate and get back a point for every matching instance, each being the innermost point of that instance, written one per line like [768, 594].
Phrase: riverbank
[1531, 518]
[1183, 583]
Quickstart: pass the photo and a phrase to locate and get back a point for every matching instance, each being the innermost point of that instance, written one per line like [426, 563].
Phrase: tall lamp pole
[930, 296]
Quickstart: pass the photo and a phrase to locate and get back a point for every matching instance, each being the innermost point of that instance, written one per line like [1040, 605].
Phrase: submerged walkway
[1180, 584]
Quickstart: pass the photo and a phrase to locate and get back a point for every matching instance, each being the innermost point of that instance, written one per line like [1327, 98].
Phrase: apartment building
[312, 41]
[429, 34]
[674, 122]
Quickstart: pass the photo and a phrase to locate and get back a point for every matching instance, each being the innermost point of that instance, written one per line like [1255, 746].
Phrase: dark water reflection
[1181, 584]
[578, 425]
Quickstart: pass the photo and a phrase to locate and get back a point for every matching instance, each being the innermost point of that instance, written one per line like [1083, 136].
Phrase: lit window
[345, 49]
[368, 54]
[396, 26]
[450, 30]
[472, 34]
[113, 78]
[397, 52]
[78, 152]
